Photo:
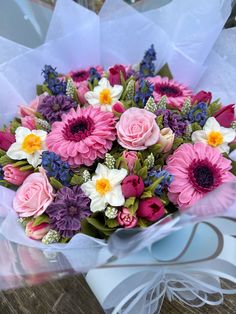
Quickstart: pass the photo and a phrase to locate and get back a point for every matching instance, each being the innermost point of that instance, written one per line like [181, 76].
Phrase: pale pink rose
[137, 129]
[32, 108]
[82, 89]
[36, 232]
[130, 158]
[14, 175]
[166, 139]
[34, 196]
[29, 122]
[125, 219]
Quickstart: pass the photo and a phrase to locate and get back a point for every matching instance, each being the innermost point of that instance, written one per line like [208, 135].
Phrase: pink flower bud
[36, 232]
[132, 186]
[114, 74]
[118, 107]
[82, 89]
[151, 209]
[6, 139]
[32, 108]
[28, 122]
[202, 96]
[125, 218]
[14, 175]
[130, 158]
[225, 116]
[166, 139]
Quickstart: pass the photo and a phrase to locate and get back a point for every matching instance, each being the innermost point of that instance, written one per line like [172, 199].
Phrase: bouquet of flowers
[99, 150]
[119, 161]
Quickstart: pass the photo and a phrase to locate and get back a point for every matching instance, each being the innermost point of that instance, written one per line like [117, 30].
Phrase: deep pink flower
[82, 89]
[14, 175]
[175, 92]
[36, 232]
[83, 74]
[6, 139]
[130, 158]
[29, 122]
[114, 74]
[118, 107]
[137, 129]
[197, 169]
[151, 209]
[202, 96]
[125, 219]
[132, 186]
[82, 136]
[225, 116]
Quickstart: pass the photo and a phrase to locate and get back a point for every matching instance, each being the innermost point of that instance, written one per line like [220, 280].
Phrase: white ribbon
[138, 283]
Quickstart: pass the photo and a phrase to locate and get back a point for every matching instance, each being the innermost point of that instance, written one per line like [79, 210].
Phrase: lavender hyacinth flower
[67, 211]
[174, 121]
[52, 107]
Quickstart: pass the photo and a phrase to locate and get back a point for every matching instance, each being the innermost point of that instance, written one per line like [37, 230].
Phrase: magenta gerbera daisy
[175, 92]
[82, 136]
[197, 169]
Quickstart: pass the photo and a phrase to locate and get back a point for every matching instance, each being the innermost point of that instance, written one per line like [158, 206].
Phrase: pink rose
[130, 158]
[166, 139]
[151, 209]
[125, 219]
[202, 96]
[32, 108]
[137, 129]
[132, 186]
[225, 116]
[118, 107]
[82, 89]
[36, 232]
[29, 122]
[14, 175]
[114, 74]
[34, 196]
[6, 139]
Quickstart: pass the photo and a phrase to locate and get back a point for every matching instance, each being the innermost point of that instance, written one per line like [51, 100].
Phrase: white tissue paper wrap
[171, 257]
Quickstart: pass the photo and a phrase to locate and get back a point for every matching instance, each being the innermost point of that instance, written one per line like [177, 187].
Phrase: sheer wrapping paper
[184, 35]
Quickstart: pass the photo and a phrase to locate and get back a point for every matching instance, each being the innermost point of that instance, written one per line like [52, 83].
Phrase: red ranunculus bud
[151, 209]
[202, 96]
[114, 74]
[225, 116]
[132, 186]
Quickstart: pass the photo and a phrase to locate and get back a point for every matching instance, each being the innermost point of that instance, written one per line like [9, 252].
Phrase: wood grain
[72, 295]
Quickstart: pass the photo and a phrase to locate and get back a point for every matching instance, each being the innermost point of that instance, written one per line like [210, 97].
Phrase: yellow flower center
[105, 97]
[215, 138]
[31, 144]
[103, 186]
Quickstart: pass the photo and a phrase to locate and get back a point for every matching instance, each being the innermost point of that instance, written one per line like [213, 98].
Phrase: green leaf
[137, 166]
[20, 163]
[112, 223]
[5, 160]
[213, 107]
[64, 240]
[154, 185]
[165, 71]
[88, 229]
[155, 149]
[45, 89]
[232, 147]
[233, 170]
[143, 223]
[55, 183]
[26, 168]
[122, 79]
[99, 226]
[76, 180]
[196, 127]
[2, 153]
[39, 115]
[41, 219]
[143, 172]
[130, 202]
[14, 125]
[146, 194]
[159, 121]
[177, 142]
[134, 207]
[39, 89]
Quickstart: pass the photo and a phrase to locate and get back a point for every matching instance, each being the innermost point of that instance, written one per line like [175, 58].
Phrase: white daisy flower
[215, 135]
[104, 95]
[29, 145]
[105, 188]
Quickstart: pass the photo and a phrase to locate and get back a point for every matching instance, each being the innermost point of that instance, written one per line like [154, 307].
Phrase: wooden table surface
[72, 295]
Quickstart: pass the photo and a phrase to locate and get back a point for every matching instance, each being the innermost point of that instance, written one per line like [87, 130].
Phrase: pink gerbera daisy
[197, 169]
[175, 92]
[82, 136]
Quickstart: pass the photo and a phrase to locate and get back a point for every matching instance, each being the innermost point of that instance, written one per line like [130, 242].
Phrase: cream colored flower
[104, 95]
[215, 135]
[105, 188]
[29, 145]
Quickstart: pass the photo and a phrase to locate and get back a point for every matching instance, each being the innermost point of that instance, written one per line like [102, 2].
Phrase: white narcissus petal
[228, 134]
[92, 98]
[224, 148]
[199, 136]
[102, 171]
[116, 91]
[21, 133]
[34, 159]
[104, 83]
[115, 197]
[42, 134]
[98, 204]
[117, 176]
[211, 125]
[15, 152]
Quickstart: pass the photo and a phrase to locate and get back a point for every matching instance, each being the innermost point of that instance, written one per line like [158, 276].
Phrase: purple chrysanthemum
[70, 206]
[173, 121]
[52, 107]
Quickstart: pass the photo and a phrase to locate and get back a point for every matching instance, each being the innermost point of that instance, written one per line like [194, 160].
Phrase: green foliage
[143, 172]
[151, 188]
[112, 223]
[155, 149]
[26, 168]
[14, 125]
[213, 108]
[40, 219]
[233, 170]
[196, 127]
[159, 121]
[5, 160]
[232, 147]
[143, 223]
[20, 163]
[55, 183]
[77, 180]
[165, 71]
[2, 152]
[177, 142]
[132, 204]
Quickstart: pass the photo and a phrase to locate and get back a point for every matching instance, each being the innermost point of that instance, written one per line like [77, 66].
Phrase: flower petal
[211, 125]
[15, 152]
